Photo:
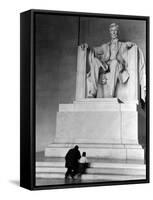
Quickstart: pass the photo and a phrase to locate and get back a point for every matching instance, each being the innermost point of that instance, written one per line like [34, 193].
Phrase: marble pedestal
[102, 128]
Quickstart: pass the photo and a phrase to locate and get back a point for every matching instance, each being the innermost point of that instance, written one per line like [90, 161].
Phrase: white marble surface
[92, 120]
[95, 104]
[129, 127]
[106, 129]
[122, 152]
[88, 127]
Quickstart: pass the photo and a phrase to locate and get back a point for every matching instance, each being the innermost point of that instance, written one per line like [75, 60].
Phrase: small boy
[83, 163]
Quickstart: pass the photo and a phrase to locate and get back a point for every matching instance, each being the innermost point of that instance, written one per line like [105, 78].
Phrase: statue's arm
[98, 50]
[130, 45]
[84, 46]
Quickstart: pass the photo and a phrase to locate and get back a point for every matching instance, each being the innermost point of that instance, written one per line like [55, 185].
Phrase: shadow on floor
[15, 182]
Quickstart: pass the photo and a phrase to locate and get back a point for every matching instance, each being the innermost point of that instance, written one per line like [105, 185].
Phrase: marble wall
[56, 47]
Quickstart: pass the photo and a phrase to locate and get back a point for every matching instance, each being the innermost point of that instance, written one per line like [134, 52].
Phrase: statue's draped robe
[109, 66]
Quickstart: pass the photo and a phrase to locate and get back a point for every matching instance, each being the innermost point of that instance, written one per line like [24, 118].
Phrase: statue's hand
[130, 44]
[84, 46]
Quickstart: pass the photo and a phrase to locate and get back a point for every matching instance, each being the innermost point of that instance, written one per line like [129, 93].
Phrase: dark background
[57, 38]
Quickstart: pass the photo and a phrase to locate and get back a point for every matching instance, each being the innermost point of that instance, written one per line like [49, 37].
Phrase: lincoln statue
[109, 67]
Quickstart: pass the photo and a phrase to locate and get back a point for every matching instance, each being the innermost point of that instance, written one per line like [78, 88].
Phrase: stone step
[123, 171]
[100, 169]
[111, 177]
[96, 145]
[103, 151]
[92, 176]
[41, 157]
[96, 165]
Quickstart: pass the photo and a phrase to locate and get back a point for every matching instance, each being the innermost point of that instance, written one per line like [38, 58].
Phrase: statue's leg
[93, 79]
[100, 92]
[90, 90]
[113, 76]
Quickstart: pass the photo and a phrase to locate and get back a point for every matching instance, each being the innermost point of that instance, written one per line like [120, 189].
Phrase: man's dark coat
[72, 158]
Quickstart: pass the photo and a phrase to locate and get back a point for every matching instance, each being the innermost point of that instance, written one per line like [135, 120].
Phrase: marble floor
[43, 181]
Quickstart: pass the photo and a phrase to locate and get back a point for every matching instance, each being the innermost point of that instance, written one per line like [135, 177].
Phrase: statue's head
[114, 30]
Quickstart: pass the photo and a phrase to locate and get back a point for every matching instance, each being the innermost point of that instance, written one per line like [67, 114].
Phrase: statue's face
[113, 32]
